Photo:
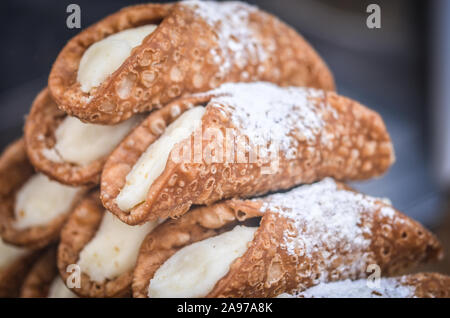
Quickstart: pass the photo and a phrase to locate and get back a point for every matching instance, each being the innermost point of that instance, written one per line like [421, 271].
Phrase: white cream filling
[9, 254]
[194, 270]
[80, 143]
[104, 57]
[153, 161]
[40, 200]
[59, 290]
[114, 249]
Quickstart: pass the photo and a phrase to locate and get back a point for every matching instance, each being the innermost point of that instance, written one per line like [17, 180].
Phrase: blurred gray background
[400, 70]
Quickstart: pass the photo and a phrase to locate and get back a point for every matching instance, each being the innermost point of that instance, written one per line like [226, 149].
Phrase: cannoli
[312, 234]
[145, 56]
[66, 149]
[14, 264]
[43, 280]
[32, 207]
[249, 139]
[103, 247]
[422, 285]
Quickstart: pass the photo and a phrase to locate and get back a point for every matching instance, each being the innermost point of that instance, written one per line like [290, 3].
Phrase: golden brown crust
[165, 240]
[267, 269]
[12, 277]
[39, 132]
[274, 272]
[428, 285]
[79, 230]
[176, 59]
[123, 158]
[63, 83]
[39, 279]
[360, 149]
[15, 170]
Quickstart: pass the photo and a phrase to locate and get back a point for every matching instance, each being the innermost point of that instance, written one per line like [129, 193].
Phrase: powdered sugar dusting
[323, 215]
[326, 219]
[237, 43]
[388, 211]
[388, 288]
[270, 114]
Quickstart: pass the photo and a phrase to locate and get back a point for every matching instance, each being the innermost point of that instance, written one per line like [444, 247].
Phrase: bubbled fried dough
[201, 223]
[39, 132]
[79, 230]
[15, 170]
[286, 255]
[321, 134]
[196, 47]
[39, 279]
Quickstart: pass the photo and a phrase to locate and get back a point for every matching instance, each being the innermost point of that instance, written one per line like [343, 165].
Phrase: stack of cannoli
[198, 149]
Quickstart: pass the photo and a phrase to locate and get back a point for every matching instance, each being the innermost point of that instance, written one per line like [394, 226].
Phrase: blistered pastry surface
[270, 267]
[114, 248]
[193, 271]
[305, 255]
[152, 162]
[124, 157]
[319, 134]
[190, 51]
[80, 229]
[40, 127]
[16, 170]
[201, 223]
[104, 57]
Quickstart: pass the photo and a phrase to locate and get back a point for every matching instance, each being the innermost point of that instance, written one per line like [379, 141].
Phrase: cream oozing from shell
[152, 162]
[59, 290]
[9, 254]
[81, 143]
[194, 270]
[114, 248]
[104, 57]
[40, 200]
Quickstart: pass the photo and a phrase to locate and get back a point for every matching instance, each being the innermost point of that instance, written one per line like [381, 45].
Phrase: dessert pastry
[105, 248]
[14, 264]
[312, 234]
[422, 285]
[145, 56]
[32, 207]
[66, 149]
[243, 140]
[43, 280]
